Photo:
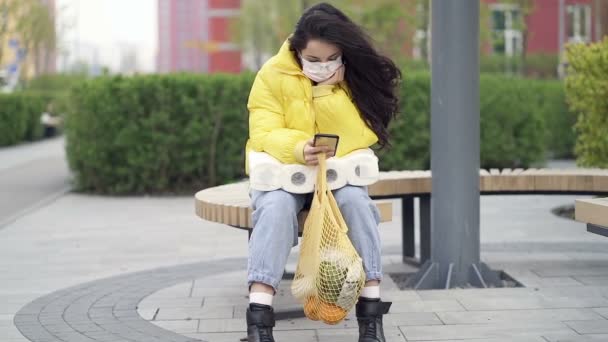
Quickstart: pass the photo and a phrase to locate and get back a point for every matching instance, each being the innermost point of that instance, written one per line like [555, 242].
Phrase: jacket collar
[285, 61]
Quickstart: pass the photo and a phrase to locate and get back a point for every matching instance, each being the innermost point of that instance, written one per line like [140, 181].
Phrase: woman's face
[320, 51]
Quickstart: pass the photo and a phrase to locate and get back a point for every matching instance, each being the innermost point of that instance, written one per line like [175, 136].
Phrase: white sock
[260, 298]
[371, 292]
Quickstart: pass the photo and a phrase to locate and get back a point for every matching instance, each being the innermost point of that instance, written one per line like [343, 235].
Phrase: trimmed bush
[587, 95]
[536, 66]
[174, 133]
[54, 82]
[20, 117]
[410, 132]
[560, 134]
[157, 133]
[541, 65]
[55, 87]
[512, 126]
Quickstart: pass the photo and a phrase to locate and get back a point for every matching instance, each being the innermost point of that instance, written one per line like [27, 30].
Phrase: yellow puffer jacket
[286, 110]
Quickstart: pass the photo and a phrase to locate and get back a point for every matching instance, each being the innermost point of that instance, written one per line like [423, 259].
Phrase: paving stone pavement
[90, 268]
[30, 176]
[556, 312]
[106, 310]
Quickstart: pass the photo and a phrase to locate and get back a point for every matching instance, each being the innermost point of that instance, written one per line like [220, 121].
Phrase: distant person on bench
[50, 122]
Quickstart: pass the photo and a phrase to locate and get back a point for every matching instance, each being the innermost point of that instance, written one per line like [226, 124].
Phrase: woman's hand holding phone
[311, 152]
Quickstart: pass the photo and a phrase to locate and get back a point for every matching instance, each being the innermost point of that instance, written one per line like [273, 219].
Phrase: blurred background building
[208, 36]
[194, 35]
[548, 24]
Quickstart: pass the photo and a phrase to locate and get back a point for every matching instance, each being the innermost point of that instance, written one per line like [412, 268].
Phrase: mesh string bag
[329, 276]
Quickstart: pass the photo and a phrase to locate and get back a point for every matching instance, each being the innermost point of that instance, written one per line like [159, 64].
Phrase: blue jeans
[275, 222]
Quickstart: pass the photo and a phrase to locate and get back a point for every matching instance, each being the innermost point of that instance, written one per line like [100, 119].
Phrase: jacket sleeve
[267, 129]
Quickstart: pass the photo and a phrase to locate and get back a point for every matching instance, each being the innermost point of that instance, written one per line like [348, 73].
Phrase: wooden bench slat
[594, 211]
[230, 203]
[600, 182]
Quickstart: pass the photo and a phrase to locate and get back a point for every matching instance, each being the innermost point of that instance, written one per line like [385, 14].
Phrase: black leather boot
[260, 321]
[369, 317]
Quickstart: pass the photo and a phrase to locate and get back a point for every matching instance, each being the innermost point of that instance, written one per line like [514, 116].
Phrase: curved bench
[593, 212]
[230, 204]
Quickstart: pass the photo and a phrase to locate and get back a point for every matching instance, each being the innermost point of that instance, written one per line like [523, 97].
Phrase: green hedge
[512, 121]
[149, 134]
[157, 133]
[560, 134]
[512, 126]
[587, 94]
[55, 87]
[20, 117]
[54, 82]
[538, 66]
[535, 66]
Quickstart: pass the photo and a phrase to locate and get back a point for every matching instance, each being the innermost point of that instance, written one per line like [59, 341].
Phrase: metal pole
[455, 150]
[425, 228]
[408, 243]
[455, 136]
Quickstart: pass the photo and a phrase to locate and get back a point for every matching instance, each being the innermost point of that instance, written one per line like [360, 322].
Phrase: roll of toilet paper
[298, 179]
[264, 172]
[337, 173]
[361, 167]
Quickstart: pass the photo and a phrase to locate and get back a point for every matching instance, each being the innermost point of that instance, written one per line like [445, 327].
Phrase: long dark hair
[371, 77]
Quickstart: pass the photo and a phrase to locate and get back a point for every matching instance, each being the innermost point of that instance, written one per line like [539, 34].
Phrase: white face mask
[318, 71]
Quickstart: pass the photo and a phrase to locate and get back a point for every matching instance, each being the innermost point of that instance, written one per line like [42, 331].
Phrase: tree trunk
[522, 69]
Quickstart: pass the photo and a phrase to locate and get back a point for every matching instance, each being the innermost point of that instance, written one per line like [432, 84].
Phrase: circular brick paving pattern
[106, 310]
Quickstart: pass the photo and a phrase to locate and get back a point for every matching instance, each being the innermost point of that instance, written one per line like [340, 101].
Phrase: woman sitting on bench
[326, 78]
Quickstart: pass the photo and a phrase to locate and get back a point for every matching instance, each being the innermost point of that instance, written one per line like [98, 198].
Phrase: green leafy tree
[394, 25]
[587, 95]
[265, 24]
[33, 24]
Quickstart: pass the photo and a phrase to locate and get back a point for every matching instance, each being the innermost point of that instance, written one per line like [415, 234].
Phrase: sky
[106, 29]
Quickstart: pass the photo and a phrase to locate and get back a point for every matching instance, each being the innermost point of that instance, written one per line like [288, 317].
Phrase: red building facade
[193, 35]
[578, 19]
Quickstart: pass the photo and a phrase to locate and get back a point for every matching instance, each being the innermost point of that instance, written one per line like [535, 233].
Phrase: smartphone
[330, 140]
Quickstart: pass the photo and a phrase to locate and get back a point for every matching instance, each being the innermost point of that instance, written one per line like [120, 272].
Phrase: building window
[579, 23]
[506, 30]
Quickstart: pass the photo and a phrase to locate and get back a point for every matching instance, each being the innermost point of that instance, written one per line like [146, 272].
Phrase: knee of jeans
[276, 200]
[356, 199]
[278, 209]
[352, 196]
